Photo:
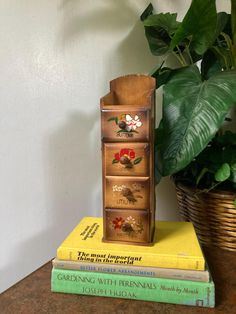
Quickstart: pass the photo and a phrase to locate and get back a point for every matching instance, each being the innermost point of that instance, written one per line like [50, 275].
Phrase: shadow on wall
[120, 20]
[74, 169]
[74, 149]
[111, 16]
[133, 53]
[166, 201]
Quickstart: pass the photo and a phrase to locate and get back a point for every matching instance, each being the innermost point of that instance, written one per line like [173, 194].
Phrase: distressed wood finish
[127, 132]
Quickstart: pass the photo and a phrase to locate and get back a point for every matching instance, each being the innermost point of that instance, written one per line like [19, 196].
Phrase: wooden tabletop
[33, 295]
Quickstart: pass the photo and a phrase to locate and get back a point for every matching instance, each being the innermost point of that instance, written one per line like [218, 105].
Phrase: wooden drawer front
[130, 159]
[127, 192]
[126, 125]
[126, 225]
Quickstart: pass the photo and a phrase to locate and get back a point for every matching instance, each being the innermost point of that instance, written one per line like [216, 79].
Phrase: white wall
[57, 58]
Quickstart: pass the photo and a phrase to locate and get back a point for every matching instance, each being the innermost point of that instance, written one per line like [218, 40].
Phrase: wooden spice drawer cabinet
[127, 135]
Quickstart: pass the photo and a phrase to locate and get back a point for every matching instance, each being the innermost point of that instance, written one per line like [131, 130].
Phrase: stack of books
[173, 270]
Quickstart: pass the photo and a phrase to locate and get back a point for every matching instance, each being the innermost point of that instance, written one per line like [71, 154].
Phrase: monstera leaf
[193, 111]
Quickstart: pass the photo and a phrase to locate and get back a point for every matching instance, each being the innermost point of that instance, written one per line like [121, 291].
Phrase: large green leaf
[158, 40]
[159, 29]
[193, 110]
[167, 21]
[198, 25]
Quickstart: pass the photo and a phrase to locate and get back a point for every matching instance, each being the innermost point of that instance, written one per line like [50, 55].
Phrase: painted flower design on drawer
[130, 194]
[126, 123]
[118, 222]
[126, 157]
[128, 225]
[132, 124]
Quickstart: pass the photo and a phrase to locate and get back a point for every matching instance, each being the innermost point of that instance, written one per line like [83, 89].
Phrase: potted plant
[192, 144]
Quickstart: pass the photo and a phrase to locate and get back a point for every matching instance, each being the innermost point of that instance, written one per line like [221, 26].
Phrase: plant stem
[230, 47]
[189, 55]
[233, 20]
[233, 28]
[212, 187]
[207, 190]
[180, 57]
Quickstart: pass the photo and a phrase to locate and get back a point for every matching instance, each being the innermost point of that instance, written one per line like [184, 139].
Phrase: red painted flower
[118, 222]
[130, 153]
[117, 156]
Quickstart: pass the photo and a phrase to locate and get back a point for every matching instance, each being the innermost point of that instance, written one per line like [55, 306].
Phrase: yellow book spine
[131, 258]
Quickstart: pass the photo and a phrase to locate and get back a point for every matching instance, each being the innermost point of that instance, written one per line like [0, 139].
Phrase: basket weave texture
[213, 215]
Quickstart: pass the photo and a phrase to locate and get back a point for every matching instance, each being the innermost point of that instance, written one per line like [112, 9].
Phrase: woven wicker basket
[213, 215]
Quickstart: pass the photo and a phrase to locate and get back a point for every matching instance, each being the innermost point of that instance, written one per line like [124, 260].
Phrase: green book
[132, 287]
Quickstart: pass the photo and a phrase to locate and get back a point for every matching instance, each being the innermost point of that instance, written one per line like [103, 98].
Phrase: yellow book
[175, 246]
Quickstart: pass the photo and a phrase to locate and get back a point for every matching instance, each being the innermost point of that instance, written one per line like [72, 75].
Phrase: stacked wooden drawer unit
[128, 120]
